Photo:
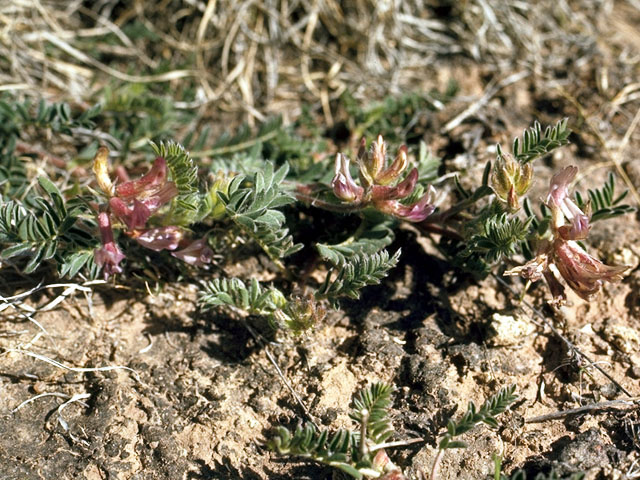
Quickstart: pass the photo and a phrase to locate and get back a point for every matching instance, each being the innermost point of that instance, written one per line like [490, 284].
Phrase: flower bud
[220, 184]
[302, 313]
[511, 179]
[371, 162]
[377, 158]
[101, 170]
[343, 184]
[398, 166]
[109, 255]
[512, 200]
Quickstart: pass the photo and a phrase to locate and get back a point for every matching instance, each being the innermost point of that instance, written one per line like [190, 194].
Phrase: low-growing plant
[273, 196]
[493, 406]
[239, 199]
[359, 451]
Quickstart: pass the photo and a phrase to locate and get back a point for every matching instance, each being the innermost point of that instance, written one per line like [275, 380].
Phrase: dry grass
[258, 58]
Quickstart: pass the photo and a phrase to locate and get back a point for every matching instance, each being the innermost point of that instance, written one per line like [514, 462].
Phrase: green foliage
[189, 205]
[370, 238]
[134, 114]
[535, 143]
[344, 449]
[17, 119]
[15, 116]
[244, 139]
[246, 163]
[603, 203]
[245, 151]
[493, 406]
[252, 299]
[321, 446]
[13, 175]
[428, 164]
[396, 116]
[253, 203]
[371, 408]
[51, 229]
[356, 273]
[497, 236]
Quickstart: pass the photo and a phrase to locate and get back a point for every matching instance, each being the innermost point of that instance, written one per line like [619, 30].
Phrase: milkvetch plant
[133, 203]
[358, 452]
[238, 203]
[568, 225]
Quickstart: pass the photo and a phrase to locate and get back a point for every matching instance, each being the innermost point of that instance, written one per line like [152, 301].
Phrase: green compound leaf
[356, 273]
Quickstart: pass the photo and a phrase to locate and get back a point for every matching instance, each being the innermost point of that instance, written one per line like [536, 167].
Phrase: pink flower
[343, 185]
[377, 183]
[162, 238]
[563, 207]
[415, 212]
[154, 179]
[134, 216]
[372, 164]
[197, 253]
[136, 200]
[109, 255]
[403, 189]
[584, 273]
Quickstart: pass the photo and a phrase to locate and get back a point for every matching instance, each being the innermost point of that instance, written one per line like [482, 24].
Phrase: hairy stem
[436, 465]
[332, 207]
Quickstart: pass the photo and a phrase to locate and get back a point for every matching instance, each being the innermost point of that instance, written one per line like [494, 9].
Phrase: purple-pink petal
[134, 217]
[162, 238]
[559, 186]
[154, 178]
[584, 273]
[197, 253]
[109, 255]
[344, 187]
[402, 190]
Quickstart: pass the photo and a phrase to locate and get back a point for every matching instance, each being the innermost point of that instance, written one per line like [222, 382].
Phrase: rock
[624, 338]
[508, 330]
[588, 450]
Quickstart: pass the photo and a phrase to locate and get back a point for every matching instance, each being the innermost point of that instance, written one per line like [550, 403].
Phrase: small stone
[609, 390]
[634, 370]
[508, 330]
[623, 338]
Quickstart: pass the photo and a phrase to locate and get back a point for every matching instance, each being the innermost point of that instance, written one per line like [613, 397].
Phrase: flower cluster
[584, 273]
[510, 179]
[132, 203]
[377, 179]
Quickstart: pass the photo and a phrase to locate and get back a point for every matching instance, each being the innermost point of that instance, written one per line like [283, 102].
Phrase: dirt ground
[200, 397]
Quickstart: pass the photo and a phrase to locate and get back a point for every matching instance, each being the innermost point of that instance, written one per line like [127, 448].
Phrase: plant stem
[399, 443]
[363, 433]
[235, 148]
[436, 465]
[433, 228]
[442, 217]
[332, 207]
